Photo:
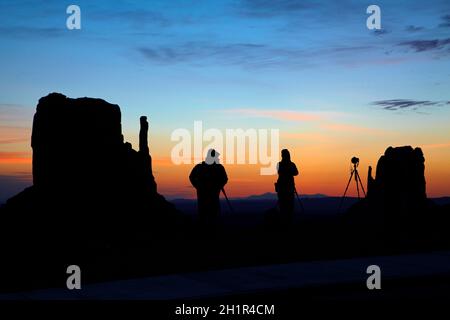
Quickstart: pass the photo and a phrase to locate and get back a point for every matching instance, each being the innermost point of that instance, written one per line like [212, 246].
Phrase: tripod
[354, 173]
[299, 200]
[228, 201]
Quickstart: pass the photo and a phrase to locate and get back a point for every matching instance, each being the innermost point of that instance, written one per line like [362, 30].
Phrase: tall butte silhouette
[396, 198]
[90, 189]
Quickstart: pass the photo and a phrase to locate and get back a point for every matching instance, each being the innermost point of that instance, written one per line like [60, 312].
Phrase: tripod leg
[348, 183]
[357, 185]
[345, 192]
[360, 182]
[299, 201]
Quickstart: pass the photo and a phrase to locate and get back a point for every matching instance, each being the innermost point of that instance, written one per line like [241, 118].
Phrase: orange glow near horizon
[324, 168]
[15, 158]
[327, 174]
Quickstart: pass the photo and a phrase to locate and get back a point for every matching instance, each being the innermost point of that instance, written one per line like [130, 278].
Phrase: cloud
[412, 28]
[426, 45]
[380, 32]
[203, 52]
[446, 23]
[436, 145]
[319, 118]
[136, 18]
[250, 55]
[29, 32]
[245, 55]
[283, 115]
[270, 8]
[15, 157]
[341, 127]
[11, 141]
[401, 104]
[14, 120]
[307, 137]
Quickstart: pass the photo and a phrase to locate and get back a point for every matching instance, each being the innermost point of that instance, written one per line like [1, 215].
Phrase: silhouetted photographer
[209, 178]
[285, 185]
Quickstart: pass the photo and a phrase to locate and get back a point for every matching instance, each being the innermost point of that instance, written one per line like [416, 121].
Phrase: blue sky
[180, 61]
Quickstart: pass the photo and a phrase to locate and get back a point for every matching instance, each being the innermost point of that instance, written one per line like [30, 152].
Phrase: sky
[311, 69]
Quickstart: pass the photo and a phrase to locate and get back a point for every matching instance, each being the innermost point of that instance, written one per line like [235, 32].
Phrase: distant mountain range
[263, 196]
[273, 196]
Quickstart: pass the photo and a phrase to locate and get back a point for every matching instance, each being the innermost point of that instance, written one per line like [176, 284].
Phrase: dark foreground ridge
[94, 203]
[406, 276]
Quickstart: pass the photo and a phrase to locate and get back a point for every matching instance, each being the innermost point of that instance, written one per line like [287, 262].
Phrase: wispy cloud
[10, 134]
[268, 8]
[11, 141]
[322, 121]
[250, 55]
[204, 52]
[446, 21]
[343, 127]
[309, 137]
[436, 145]
[15, 157]
[32, 32]
[283, 115]
[136, 18]
[380, 32]
[402, 104]
[412, 28]
[426, 45]
[14, 112]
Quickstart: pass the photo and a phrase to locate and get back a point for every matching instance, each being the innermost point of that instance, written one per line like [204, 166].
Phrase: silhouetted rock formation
[396, 197]
[400, 179]
[146, 158]
[76, 142]
[78, 149]
[90, 189]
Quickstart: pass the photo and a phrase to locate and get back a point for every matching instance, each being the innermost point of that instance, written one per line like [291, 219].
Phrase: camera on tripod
[354, 174]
